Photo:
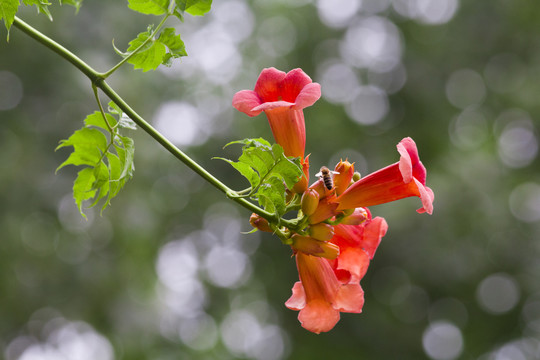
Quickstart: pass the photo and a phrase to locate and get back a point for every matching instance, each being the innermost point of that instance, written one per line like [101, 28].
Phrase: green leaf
[150, 7]
[173, 42]
[244, 169]
[88, 147]
[82, 187]
[194, 7]
[271, 196]
[150, 56]
[106, 172]
[123, 120]
[101, 183]
[125, 148]
[8, 9]
[268, 171]
[41, 5]
[75, 3]
[96, 119]
[154, 52]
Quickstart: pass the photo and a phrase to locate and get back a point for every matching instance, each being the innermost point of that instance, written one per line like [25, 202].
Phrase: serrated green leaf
[149, 7]
[96, 119]
[82, 187]
[41, 5]
[75, 3]
[115, 183]
[124, 121]
[260, 160]
[125, 148]
[88, 146]
[8, 9]
[289, 170]
[150, 56]
[155, 52]
[259, 142]
[194, 7]
[271, 196]
[245, 170]
[101, 183]
[173, 42]
[268, 170]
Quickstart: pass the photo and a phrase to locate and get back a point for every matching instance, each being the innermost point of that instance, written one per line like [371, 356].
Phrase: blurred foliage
[166, 273]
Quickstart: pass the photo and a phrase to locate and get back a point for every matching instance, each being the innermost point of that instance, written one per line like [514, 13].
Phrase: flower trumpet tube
[282, 96]
[320, 296]
[311, 246]
[397, 181]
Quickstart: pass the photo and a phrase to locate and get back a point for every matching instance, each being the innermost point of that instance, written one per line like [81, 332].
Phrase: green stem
[98, 81]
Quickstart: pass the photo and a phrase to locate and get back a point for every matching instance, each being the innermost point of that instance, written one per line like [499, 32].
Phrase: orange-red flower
[282, 96]
[328, 287]
[320, 296]
[357, 246]
[405, 178]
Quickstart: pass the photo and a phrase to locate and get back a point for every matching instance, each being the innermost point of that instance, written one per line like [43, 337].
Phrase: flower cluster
[336, 236]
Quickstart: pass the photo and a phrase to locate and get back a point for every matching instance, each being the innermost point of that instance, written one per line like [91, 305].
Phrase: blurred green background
[166, 272]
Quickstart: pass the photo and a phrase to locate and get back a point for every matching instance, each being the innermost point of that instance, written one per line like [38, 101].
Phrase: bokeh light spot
[525, 202]
[465, 87]
[276, 36]
[181, 123]
[442, 340]
[338, 82]
[245, 336]
[498, 293]
[369, 106]
[469, 130]
[199, 333]
[227, 267]
[435, 11]
[11, 90]
[337, 13]
[518, 145]
[372, 43]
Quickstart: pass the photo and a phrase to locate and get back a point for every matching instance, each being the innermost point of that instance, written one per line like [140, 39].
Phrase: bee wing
[319, 174]
[334, 172]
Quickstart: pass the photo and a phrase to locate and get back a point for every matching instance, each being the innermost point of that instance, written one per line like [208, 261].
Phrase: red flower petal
[318, 316]
[391, 183]
[308, 96]
[246, 101]
[268, 85]
[350, 298]
[297, 301]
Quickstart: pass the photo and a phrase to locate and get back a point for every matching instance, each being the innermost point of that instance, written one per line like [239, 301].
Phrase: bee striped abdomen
[326, 176]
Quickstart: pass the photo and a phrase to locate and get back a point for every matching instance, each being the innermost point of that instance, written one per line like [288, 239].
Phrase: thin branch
[98, 81]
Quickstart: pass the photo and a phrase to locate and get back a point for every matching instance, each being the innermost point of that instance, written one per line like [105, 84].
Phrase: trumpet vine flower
[405, 178]
[334, 237]
[282, 96]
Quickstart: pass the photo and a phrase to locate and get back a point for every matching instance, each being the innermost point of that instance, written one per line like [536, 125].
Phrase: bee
[327, 177]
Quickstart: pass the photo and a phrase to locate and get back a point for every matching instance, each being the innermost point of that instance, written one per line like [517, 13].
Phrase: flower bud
[342, 179]
[319, 187]
[314, 247]
[303, 182]
[321, 231]
[310, 201]
[356, 218]
[259, 223]
[324, 211]
[356, 176]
